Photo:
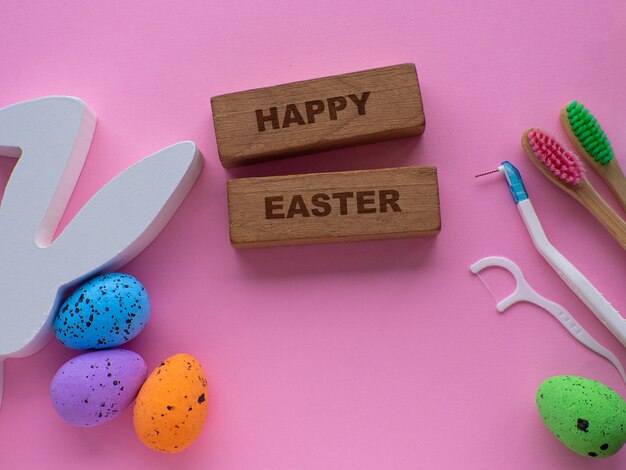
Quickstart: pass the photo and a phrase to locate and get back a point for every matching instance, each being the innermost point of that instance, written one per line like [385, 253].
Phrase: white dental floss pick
[525, 293]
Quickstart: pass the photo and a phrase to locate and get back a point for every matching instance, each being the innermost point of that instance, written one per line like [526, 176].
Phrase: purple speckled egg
[93, 388]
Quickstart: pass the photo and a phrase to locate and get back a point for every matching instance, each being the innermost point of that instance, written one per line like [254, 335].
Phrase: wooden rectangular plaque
[334, 207]
[315, 115]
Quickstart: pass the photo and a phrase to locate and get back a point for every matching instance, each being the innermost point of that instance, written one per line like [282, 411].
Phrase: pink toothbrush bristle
[563, 164]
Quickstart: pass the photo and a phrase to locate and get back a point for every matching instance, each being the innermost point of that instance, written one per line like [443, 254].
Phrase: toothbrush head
[563, 165]
[588, 132]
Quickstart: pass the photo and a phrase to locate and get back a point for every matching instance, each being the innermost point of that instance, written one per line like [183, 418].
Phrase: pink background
[375, 355]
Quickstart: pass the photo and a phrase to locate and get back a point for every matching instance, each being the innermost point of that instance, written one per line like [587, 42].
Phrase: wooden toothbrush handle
[614, 178]
[589, 197]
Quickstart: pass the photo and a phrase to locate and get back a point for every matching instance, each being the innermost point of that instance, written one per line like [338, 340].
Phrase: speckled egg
[94, 387]
[105, 312]
[585, 415]
[171, 406]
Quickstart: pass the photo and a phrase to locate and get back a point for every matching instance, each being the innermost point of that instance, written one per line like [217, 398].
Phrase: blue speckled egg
[105, 312]
[94, 387]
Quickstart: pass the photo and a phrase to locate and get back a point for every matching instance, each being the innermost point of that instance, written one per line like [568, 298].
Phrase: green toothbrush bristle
[589, 133]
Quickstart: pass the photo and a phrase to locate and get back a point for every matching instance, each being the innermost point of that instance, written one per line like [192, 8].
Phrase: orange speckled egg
[171, 406]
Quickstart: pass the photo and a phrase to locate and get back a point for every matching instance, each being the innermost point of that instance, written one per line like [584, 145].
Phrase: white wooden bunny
[51, 137]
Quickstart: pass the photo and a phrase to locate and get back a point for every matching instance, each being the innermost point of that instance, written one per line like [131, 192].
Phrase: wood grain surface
[334, 207]
[316, 115]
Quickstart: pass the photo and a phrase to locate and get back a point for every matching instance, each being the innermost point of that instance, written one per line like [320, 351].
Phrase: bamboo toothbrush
[591, 143]
[566, 171]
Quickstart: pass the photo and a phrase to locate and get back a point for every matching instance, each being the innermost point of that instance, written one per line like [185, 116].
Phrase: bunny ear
[121, 219]
[51, 137]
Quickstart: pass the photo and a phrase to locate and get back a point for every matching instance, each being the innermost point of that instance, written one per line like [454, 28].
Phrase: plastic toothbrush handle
[578, 332]
[575, 280]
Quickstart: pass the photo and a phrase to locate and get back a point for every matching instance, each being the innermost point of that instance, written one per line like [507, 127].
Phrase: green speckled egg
[585, 415]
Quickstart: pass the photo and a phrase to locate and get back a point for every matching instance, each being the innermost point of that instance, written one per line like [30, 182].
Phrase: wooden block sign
[315, 115]
[334, 207]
